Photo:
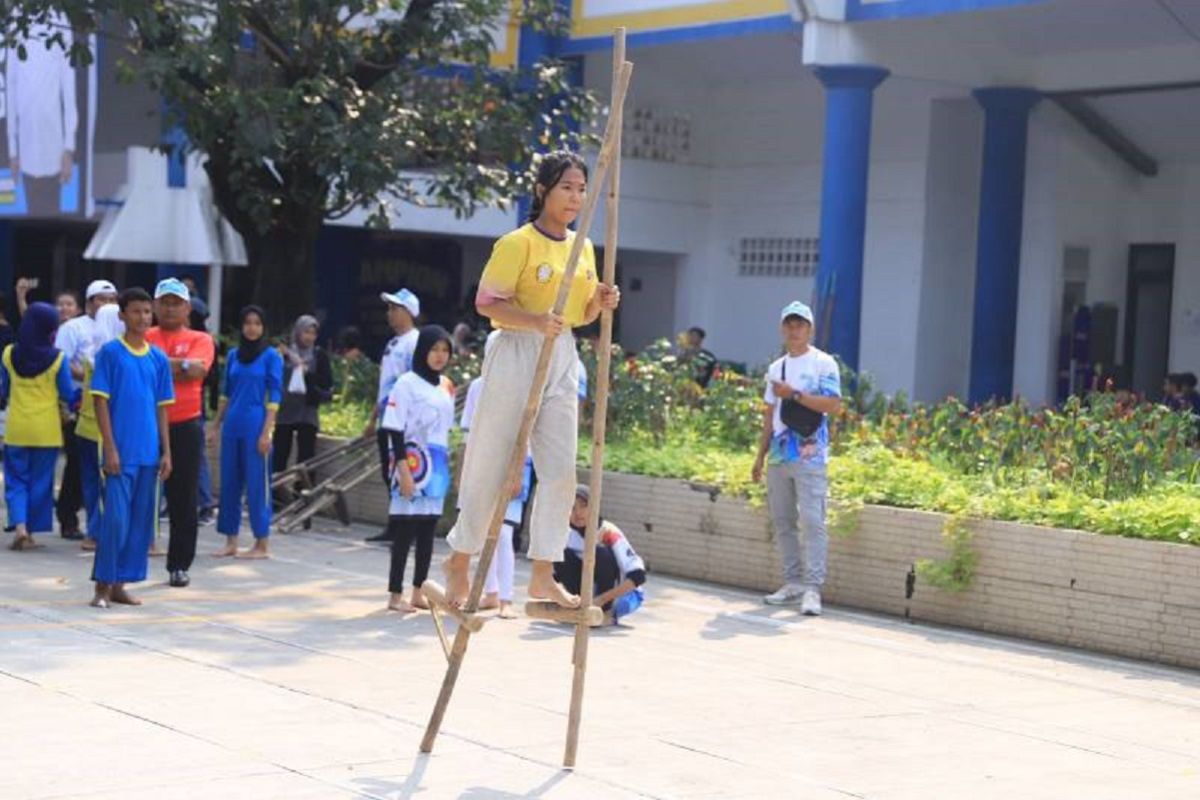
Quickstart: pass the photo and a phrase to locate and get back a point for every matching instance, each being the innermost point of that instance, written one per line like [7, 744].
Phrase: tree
[309, 109]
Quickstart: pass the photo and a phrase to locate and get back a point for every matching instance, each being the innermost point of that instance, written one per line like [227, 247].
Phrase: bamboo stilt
[599, 428]
[516, 461]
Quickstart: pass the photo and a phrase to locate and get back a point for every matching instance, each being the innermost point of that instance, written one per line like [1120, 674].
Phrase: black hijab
[249, 350]
[426, 339]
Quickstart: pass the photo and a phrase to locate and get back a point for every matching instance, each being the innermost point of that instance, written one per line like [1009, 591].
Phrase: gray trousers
[508, 371]
[796, 497]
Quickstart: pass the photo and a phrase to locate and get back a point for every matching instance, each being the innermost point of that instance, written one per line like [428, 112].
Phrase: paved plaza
[286, 679]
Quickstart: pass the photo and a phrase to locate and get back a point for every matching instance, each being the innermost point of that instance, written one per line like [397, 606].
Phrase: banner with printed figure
[47, 121]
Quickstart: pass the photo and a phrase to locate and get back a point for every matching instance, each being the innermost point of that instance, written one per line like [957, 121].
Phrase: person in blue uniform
[34, 378]
[131, 386]
[246, 421]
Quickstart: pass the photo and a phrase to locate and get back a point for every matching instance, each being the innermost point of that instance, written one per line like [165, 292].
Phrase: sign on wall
[47, 120]
[599, 17]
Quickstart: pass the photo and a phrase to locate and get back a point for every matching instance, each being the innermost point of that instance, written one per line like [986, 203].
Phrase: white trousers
[508, 371]
[500, 574]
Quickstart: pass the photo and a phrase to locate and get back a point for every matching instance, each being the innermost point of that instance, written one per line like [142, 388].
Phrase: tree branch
[366, 74]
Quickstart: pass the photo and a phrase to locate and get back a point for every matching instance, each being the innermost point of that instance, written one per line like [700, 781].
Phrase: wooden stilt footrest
[436, 596]
[593, 616]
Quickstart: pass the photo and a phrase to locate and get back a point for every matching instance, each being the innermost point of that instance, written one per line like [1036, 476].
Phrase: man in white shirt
[403, 309]
[797, 484]
[42, 117]
[74, 338]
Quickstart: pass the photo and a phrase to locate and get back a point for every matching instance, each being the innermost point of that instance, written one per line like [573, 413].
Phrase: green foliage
[955, 572]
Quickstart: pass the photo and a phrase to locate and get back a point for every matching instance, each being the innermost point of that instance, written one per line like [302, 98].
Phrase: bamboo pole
[516, 461]
[599, 426]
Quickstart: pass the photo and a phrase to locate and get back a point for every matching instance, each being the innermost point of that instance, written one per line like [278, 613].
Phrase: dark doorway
[1148, 316]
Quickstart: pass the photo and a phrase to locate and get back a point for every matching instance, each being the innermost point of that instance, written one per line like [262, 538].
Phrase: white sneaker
[786, 595]
[810, 605]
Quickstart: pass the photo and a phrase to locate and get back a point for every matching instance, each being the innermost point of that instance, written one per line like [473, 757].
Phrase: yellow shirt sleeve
[503, 269]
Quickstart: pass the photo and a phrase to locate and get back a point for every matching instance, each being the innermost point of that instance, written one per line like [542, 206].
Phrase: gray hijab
[302, 355]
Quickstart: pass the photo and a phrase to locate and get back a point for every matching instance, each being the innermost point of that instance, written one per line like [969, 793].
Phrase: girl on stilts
[246, 421]
[517, 292]
[418, 417]
[35, 378]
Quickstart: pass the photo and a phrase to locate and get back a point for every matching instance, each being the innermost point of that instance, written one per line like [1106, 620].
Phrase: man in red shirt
[191, 355]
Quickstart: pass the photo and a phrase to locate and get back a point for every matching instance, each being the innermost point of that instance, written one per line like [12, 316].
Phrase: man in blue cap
[403, 309]
[803, 388]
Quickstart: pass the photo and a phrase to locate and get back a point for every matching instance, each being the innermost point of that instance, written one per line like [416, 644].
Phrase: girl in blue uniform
[35, 378]
[246, 420]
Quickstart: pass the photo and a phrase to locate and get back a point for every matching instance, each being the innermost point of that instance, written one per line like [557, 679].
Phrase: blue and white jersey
[425, 414]
[815, 373]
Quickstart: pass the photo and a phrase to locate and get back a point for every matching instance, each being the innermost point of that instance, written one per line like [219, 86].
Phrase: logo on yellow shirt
[544, 273]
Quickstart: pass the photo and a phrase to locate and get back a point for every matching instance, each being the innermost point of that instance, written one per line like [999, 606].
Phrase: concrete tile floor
[286, 679]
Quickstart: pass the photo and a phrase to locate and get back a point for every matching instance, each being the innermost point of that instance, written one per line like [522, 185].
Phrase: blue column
[847, 157]
[998, 253]
[533, 46]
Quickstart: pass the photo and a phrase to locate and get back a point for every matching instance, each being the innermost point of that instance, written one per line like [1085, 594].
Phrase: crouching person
[620, 572]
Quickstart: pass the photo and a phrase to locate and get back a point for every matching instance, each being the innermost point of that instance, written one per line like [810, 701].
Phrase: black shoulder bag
[797, 416]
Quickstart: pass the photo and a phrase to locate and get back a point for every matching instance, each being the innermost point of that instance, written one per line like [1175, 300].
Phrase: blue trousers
[127, 526]
[244, 471]
[29, 486]
[92, 482]
[204, 498]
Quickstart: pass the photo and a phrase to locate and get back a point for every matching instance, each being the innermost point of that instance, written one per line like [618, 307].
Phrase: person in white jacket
[42, 116]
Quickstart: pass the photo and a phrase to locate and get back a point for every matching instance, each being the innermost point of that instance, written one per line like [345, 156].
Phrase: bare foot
[88, 545]
[22, 541]
[119, 595]
[100, 599]
[155, 551]
[489, 602]
[418, 599]
[506, 610]
[229, 550]
[542, 586]
[458, 580]
[259, 550]
[398, 603]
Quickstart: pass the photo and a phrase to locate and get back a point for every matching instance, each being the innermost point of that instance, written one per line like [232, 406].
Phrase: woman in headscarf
[307, 383]
[108, 326]
[245, 419]
[35, 378]
[418, 418]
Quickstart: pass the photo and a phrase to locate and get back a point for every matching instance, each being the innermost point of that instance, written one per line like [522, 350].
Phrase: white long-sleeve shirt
[42, 114]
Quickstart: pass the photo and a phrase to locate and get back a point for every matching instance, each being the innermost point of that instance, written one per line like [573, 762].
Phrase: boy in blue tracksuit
[131, 386]
[246, 421]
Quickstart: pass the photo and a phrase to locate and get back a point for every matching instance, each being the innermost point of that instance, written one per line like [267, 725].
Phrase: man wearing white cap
[803, 388]
[403, 308]
[74, 338]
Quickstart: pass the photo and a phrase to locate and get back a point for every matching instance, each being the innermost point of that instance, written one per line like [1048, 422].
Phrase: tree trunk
[283, 265]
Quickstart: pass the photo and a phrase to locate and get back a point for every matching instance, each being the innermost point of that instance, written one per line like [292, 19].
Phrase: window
[782, 257]
[656, 135]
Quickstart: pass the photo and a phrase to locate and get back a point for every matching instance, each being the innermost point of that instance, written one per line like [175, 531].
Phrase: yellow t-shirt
[526, 268]
[86, 427]
[34, 419]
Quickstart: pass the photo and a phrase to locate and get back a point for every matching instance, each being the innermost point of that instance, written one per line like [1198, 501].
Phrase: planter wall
[1124, 596]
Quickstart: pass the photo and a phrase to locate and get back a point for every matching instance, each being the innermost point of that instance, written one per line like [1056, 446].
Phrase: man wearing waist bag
[803, 388]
